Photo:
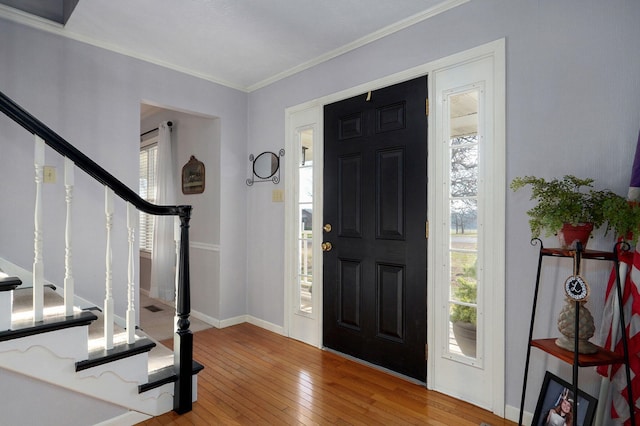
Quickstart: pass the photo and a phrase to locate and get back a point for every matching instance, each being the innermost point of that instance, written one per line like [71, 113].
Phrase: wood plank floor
[255, 377]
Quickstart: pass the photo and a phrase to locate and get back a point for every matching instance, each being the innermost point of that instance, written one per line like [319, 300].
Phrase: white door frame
[300, 325]
[496, 345]
[481, 385]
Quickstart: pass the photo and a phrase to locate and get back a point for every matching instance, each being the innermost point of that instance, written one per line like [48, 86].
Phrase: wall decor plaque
[193, 177]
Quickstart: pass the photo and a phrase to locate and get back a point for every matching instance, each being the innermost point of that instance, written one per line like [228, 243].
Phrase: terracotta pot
[570, 234]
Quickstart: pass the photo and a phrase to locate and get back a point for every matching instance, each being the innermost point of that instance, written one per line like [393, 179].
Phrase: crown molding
[33, 21]
[42, 24]
[25, 18]
[388, 30]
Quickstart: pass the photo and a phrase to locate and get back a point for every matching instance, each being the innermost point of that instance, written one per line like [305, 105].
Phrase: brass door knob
[327, 246]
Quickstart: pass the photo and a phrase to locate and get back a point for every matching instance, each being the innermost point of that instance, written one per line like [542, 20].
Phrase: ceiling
[243, 44]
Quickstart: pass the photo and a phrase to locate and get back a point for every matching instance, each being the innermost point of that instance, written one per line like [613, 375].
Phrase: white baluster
[108, 300]
[132, 220]
[38, 266]
[69, 291]
[176, 238]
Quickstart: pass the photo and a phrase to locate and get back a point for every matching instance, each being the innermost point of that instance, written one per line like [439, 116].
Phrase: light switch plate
[277, 196]
[49, 174]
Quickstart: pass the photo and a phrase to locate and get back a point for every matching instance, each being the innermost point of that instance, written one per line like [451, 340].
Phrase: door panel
[375, 199]
[390, 301]
[389, 195]
[349, 207]
[349, 296]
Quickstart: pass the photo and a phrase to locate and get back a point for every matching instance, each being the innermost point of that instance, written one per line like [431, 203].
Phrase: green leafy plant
[623, 218]
[573, 200]
[465, 291]
[566, 200]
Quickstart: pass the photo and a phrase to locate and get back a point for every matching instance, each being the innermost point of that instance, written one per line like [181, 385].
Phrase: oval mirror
[266, 165]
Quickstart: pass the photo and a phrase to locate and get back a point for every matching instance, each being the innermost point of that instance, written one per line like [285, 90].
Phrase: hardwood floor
[255, 377]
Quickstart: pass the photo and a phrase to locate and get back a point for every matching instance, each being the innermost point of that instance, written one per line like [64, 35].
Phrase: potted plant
[464, 318]
[622, 217]
[568, 204]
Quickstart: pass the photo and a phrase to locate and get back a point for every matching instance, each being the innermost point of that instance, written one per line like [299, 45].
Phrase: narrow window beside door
[305, 215]
[464, 229]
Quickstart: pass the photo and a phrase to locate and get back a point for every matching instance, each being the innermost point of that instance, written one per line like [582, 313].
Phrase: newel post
[183, 338]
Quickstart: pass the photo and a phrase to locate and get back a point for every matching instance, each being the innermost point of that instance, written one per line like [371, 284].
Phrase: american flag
[631, 304]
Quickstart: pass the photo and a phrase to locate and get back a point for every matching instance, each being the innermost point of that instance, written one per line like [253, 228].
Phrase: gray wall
[573, 106]
[92, 98]
[56, 406]
[200, 137]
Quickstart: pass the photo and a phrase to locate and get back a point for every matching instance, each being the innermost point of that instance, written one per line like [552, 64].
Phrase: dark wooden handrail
[64, 148]
[183, 339]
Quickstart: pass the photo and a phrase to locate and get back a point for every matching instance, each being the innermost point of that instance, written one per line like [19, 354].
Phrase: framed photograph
[555, 404]
[193, 177]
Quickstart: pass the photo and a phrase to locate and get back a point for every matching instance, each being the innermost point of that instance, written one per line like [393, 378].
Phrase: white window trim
[493, 266]
[146, 141]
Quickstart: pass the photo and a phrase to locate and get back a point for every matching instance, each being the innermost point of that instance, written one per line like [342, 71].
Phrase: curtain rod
[153, 130]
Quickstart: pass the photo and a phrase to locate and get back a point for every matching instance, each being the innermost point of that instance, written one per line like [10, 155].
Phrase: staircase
[64, 353]
[84, 365]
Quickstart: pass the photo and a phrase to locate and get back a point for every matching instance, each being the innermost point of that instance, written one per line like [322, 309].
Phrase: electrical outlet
[49, 174]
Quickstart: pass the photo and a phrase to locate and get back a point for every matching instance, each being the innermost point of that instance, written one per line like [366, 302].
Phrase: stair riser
[51, 357]
[66, 343]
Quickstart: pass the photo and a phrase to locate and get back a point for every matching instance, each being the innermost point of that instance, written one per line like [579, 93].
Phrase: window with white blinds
[148, 160]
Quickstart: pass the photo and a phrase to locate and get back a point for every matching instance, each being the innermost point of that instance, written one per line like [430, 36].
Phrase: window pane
[306, 216]
[464, 171]
[464, 222]
[147, 190]
[305, 219]
[463, 266]
[463, 210]
[306, 184]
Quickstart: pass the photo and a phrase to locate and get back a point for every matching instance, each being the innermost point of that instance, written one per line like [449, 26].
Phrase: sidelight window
[465, 228]
[305, 215]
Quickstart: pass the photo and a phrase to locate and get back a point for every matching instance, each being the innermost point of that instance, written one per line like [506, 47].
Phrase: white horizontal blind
[148, 160]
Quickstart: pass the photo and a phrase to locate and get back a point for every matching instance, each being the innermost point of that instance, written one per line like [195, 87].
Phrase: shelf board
[586, 254]
[602, 357]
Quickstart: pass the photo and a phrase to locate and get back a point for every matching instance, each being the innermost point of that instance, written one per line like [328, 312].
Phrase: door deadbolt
[326, 246]
[327, 227]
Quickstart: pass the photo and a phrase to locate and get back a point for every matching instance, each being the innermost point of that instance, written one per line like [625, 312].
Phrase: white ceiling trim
[55, 28]
[58, 29]
[25, 18]
[400, 25]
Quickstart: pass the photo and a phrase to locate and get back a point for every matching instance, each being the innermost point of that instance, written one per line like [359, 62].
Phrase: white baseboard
[240, 319]
[513, 413]
[232, 321]
[127, 419]
[265, 324]
[206, 318]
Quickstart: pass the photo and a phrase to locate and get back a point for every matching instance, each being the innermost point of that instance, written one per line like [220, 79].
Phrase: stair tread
[160, 357]
[119, 351]
[9, 283]
[166, 375]
[28, 327]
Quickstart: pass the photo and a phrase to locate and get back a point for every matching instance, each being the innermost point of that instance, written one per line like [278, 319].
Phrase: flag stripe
[631, 311]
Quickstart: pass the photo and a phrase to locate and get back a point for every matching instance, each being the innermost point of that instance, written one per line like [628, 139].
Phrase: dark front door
[375, 199]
